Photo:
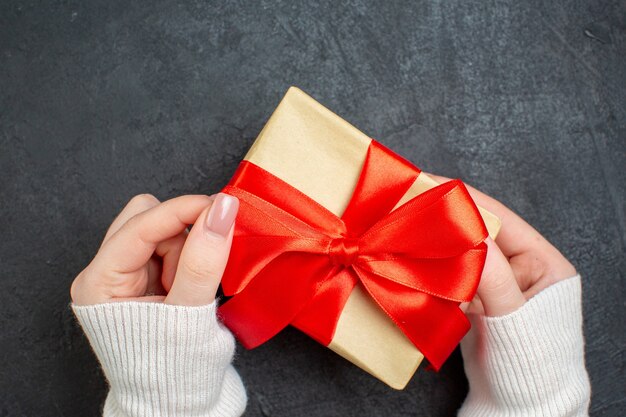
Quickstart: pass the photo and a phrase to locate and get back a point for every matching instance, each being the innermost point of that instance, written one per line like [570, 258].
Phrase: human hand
[148, 255]
[520, 263]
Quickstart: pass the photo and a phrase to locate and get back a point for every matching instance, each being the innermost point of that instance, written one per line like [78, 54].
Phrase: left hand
[148, 255]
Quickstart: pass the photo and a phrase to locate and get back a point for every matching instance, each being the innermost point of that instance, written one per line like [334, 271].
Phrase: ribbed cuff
[163, 360]
[530, 362]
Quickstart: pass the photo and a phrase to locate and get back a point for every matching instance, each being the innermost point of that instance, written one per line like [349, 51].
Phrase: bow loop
[445, 278]
[450, 205]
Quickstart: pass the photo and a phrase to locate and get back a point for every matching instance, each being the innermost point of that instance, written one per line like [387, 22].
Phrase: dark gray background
[103, 100]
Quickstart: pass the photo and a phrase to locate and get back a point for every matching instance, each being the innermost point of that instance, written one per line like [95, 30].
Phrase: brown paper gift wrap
[314, 150]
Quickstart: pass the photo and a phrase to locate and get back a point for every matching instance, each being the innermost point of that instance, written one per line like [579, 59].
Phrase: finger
[498, 290]
[134, 243]
[515, 236]
[162, 264]
[536, 270]
[205, 254]
[170, 251]
[473, 307]
[155, 269]
[137, 204]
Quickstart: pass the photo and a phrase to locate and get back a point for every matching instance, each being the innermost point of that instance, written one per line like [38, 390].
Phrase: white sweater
[164, 360]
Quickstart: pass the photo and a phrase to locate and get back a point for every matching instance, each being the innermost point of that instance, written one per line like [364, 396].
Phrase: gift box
[350, 243]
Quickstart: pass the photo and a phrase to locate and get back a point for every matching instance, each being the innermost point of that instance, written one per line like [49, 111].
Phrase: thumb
[205, 254]
[498, 289]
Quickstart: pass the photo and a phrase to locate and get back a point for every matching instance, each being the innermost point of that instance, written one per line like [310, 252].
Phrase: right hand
[520, 263]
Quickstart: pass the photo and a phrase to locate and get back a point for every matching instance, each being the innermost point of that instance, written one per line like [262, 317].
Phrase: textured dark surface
[103, 100]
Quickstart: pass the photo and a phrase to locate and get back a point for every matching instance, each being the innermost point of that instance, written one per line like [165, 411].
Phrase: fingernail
[222, 214]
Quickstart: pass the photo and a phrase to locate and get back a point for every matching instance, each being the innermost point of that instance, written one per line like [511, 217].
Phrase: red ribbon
[294, 262]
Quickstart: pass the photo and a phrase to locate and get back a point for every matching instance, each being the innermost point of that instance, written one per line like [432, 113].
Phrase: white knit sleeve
[530, 362]
[163, 360]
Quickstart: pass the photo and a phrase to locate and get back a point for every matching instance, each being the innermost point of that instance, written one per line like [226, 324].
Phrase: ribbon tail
[435, 326]
[319, 318]
[270, 302]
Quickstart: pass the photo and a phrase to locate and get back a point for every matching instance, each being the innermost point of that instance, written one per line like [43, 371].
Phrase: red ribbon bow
[294, 262]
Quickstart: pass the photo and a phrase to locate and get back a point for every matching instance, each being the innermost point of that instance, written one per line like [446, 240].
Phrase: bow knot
[343, 251]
